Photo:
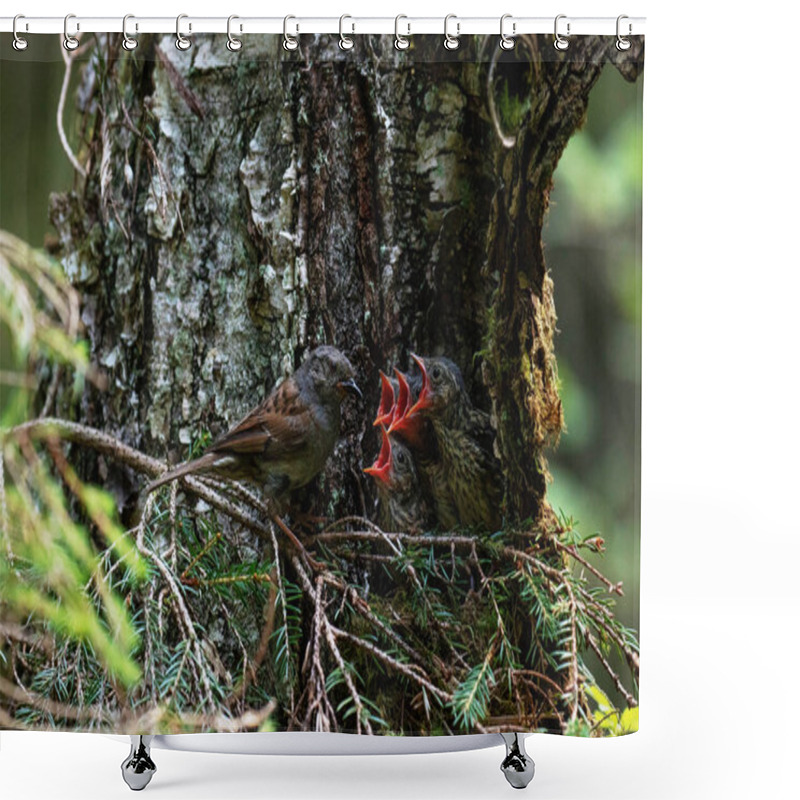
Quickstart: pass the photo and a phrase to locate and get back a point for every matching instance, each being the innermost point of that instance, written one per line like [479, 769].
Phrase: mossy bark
[242, 207]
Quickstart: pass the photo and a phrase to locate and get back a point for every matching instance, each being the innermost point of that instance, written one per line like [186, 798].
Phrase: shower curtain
[320, 385]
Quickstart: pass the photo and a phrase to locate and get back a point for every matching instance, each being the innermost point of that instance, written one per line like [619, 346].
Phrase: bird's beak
[424, 399]
[382, 467]
[350, 386]
[403, 396]
[386, 407]
[410, 429]
[400, 423]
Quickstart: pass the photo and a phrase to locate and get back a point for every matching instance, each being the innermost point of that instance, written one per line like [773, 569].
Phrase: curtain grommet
[70, 42]
[345, 42]
[451, 42]
[623, 42]
[181, 41]
[401, 42]
[128, 42]
[233, 44]
[560, 42]
[289, 42]
[507, 42]
[19, 44]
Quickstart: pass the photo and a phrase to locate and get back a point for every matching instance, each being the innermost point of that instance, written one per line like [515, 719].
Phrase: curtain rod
[568, 26]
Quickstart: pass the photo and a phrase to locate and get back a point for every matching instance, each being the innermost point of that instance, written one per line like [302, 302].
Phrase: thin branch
[109, 445]
[574, 672]
[59, 710]
[592, 642]
[183, 615]
[378, 535]
[4, 505]
[603, 620]
[615, 588]
[68, 58]
[348, 678]
[267, 630]
[20, 379]
[250, 720]
[282, 596]
[39, 640]
[507, 141]
[405, 669]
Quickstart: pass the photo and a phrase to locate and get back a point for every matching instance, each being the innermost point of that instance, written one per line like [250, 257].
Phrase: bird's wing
[479, 427]
[278, 426]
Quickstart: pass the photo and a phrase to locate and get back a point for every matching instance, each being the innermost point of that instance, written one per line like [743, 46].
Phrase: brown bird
[284, 442]
[465, 439]
[402, 504]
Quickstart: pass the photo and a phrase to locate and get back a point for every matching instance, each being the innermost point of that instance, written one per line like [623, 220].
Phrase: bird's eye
[401, 458]
[436, 373]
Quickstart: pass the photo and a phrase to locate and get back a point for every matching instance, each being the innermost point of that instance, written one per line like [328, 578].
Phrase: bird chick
[402, 504]
[284, 442]
[398, 394]
[465, 439]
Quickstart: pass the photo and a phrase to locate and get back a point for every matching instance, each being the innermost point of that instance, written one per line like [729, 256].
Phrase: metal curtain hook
[181, 42]
[623, 43]
[19, 43]
[345, 42]
[70, 42]
[233, 44]
[507, 42]
[451, 42]
[128, 42]
[289, 42]
[559, 41]
[401, 42]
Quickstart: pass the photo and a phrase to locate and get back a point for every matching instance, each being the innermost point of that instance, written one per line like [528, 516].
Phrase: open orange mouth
[382, 468]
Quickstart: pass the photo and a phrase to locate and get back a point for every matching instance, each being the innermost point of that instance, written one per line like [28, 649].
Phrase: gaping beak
[350, 386]
[424, 399]
[386, 407]
[400, 421]
[382, 468]
[403, 397]
[410, 430]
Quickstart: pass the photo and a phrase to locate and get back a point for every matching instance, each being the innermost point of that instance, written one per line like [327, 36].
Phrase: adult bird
[284, 442]
[465, 438]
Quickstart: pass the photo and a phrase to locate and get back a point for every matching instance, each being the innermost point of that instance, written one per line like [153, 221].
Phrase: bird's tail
[202, 464]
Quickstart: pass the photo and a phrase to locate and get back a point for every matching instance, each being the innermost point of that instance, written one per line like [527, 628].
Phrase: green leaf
[629, 722]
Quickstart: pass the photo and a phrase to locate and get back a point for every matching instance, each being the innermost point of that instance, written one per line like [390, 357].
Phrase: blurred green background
[592, 242]
[32, 163]
[32, 166]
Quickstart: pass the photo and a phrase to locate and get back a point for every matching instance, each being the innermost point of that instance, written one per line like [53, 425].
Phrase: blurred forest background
[592, 245]
[591, 239]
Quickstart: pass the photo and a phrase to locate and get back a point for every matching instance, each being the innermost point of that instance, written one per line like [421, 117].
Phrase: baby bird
[465, 439]
[402, 504]
[284, 442]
